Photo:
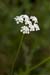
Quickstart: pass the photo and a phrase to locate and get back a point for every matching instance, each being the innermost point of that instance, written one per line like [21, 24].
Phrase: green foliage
[34, 48]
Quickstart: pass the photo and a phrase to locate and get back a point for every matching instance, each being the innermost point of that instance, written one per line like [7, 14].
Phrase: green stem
[36, 66]
[18, 51]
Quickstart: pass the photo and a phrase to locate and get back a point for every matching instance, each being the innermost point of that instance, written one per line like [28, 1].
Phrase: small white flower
[18, 19]
[31, 27]
[27, 22]
[25, 30]
[33, 18]
[25, 19]
[36, 27]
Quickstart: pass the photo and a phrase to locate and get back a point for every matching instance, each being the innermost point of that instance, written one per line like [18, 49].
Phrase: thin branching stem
[38, 65]
[16, 56]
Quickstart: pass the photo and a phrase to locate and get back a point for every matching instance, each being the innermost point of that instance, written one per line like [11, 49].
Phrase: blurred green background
[35, 47]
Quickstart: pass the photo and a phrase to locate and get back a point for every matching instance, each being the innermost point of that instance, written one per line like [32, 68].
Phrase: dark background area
[35, 46]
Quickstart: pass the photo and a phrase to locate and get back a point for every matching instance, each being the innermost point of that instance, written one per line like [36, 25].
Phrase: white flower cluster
[28, 23]
[24, 29]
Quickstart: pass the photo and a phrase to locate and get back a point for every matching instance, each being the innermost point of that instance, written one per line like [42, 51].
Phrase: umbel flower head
[28, 27]
[18, 19]
[25, 30]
